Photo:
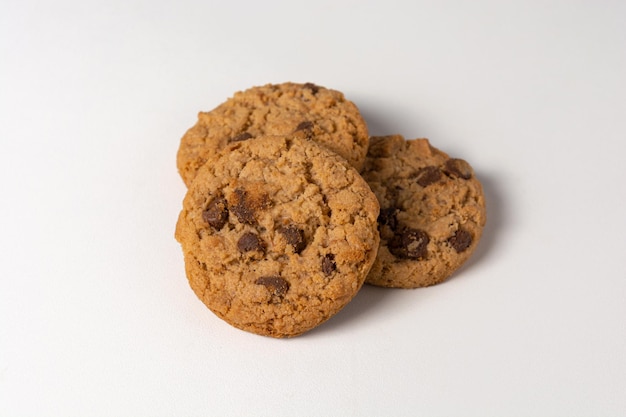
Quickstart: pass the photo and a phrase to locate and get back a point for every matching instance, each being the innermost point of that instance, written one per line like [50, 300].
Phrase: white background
[96, 316]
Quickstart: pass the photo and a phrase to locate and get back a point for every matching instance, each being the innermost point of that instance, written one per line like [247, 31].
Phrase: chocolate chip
[242, 208]
[314, 88]
[304, 126]
[410, 244]
[428, 175]
[216, 214]
[274, 283]
[294, 236]
[328, 264]
[387, 217]
[250, 242]
[461, 240]
[458, 168]
[241, 137]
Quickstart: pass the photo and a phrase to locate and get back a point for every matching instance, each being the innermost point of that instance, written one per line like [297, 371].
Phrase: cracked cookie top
[305, 110]
[432, 211]
[278, 234]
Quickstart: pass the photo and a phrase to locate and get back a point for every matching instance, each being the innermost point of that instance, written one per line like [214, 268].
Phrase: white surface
[96, 316]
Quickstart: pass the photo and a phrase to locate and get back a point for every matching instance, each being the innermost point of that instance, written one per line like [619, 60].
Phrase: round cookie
[278, 234]
[432, 211]
[310, 111]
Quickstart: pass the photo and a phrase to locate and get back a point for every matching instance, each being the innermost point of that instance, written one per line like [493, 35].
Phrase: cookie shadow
[369, 301]
[497, 218]
[390, 121]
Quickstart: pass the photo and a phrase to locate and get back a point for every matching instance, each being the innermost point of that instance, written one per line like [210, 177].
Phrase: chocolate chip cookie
[278, 234]
[432, 211]
[308, 110]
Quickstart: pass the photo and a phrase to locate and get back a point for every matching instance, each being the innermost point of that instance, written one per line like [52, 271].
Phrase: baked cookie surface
[309, 110]
[432, 211]
[278, 234]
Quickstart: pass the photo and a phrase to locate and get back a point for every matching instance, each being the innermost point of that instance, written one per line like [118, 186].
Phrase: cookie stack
[291, 207]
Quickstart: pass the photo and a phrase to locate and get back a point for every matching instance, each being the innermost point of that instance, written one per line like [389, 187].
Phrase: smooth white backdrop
[96, 317]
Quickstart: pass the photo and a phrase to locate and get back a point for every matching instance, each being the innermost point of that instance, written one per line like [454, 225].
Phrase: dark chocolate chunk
[294, 236]
[328, 264]
[242, 208]
[304, 126]
[314, 88]
[279, 286]
[461, 240]
[250, 242]
[410, 244]
[241, 137]
[428, 175]
[216, 214]
[458, 168]
[387, 217]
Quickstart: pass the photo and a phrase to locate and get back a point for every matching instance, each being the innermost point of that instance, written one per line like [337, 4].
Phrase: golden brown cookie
[432, 211]
[278, 234]
[311, 111]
